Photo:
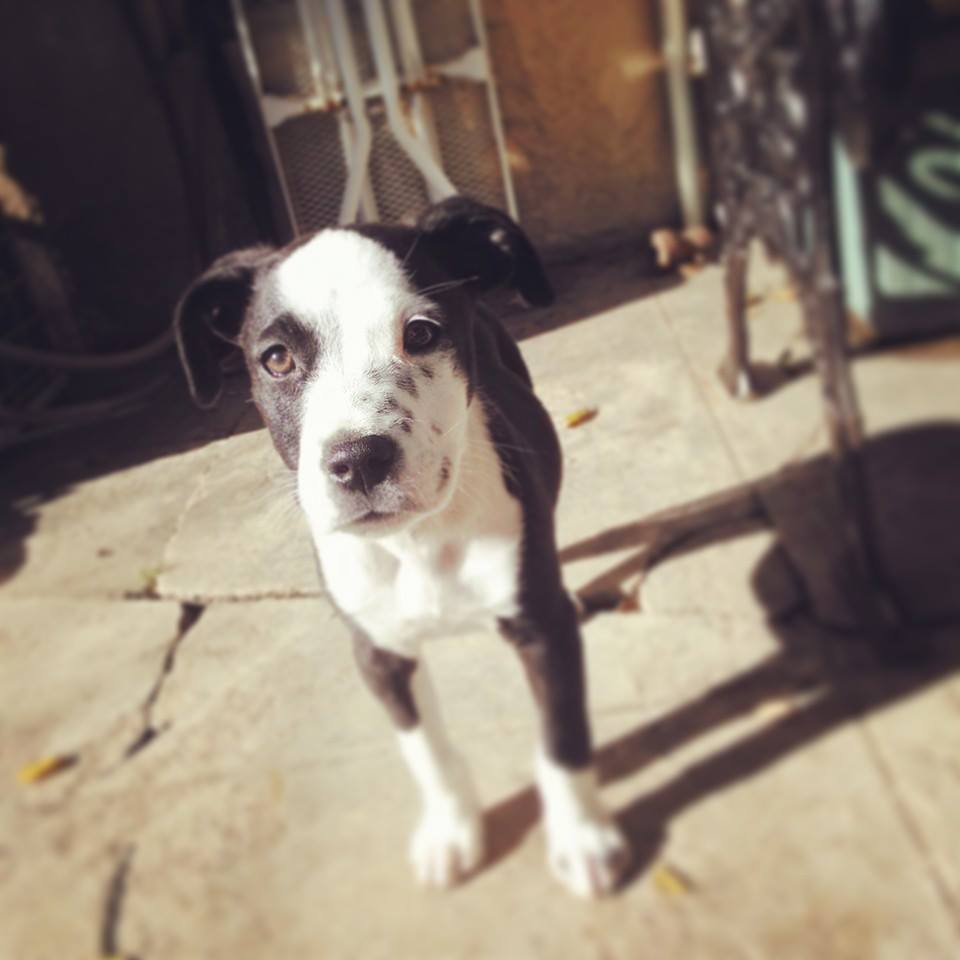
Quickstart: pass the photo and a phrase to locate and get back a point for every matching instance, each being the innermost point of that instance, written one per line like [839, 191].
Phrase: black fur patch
[389, 676]
[406, 383]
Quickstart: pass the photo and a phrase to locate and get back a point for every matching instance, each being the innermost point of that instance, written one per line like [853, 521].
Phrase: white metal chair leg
[359, 154]
[438, 183]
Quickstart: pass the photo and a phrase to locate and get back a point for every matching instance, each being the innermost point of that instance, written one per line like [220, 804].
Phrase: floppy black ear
[478, 242]
[208, 318]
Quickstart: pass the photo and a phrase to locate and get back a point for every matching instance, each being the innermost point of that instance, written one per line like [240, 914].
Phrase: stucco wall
[584, 109]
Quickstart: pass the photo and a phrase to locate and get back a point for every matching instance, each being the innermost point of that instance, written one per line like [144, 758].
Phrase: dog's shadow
[915, 476]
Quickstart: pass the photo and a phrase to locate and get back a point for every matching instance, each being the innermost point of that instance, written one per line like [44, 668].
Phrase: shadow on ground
[916, 479]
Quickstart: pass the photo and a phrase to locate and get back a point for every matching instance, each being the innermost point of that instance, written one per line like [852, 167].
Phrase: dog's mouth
[375, 516]
[375, 522]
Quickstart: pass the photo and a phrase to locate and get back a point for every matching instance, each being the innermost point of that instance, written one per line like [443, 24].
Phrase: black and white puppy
[428, 472]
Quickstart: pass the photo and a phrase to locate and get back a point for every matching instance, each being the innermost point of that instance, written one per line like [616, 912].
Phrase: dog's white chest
[458, 585]
[436, 588]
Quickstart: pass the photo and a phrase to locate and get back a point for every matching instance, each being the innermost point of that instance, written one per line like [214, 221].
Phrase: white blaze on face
[356, 295]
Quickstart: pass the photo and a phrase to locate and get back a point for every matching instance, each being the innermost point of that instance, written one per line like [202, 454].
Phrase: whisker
[413, 246]
[446, 285]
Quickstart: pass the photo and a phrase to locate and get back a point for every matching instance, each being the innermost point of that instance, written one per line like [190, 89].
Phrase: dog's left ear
[486, 248]
[208, 318]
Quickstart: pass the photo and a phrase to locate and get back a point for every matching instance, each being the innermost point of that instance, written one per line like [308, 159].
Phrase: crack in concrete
[113, 907]
[190, 613]
[203, 599]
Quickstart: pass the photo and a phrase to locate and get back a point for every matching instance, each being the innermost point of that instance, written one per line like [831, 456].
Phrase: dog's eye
[278, 361]
[419, 335]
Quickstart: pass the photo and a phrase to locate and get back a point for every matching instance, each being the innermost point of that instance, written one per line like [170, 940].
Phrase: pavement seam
[910, 826]
[805, 605]
[692, 371]
[196, 494]
[201, 599]
[190, 613]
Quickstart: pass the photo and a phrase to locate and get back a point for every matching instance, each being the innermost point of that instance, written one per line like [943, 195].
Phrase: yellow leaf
[671, 881]
[581, 416]
[45, 767]
[785, 294]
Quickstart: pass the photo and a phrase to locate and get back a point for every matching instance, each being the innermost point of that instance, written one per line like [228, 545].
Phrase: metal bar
[304, 15]
[326, 74]
[436, 179]
[359, 155]
[253, 72]
[496, 119]
[686, 160]
[411, 58]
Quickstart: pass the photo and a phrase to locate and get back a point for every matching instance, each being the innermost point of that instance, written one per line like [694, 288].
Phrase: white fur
[586, 851]
[448, 841]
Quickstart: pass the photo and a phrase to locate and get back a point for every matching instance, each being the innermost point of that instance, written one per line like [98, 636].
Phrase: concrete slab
[79, 673]
[910, 729]
[653, 442]
[101, 537]
[275, 804]
[762, 434]
[909, 390]
[240, 534]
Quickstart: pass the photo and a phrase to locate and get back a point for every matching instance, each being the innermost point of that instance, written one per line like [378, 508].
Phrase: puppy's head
[359, 344]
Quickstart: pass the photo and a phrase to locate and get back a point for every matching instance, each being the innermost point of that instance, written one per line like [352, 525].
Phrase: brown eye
[278, 361]
[419, 335]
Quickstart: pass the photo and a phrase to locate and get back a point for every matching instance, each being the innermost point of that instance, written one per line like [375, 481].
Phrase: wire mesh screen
[397, 184]
[313, 166]
[467, 145]
[310, 145]
[446, 28]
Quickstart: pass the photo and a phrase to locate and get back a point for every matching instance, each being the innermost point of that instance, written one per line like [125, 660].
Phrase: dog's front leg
[587, 852]
[448, 842]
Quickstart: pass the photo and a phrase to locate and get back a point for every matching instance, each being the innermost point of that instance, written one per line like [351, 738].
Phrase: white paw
[589, 857]
[447, 845]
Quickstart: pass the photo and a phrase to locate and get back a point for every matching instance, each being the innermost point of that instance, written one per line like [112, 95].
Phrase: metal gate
[372, 110]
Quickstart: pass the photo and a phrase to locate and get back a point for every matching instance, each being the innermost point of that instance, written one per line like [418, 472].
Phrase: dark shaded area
[117, 117]
[916, 478]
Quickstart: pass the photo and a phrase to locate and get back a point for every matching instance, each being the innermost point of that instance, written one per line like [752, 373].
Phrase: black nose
[362, 463]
